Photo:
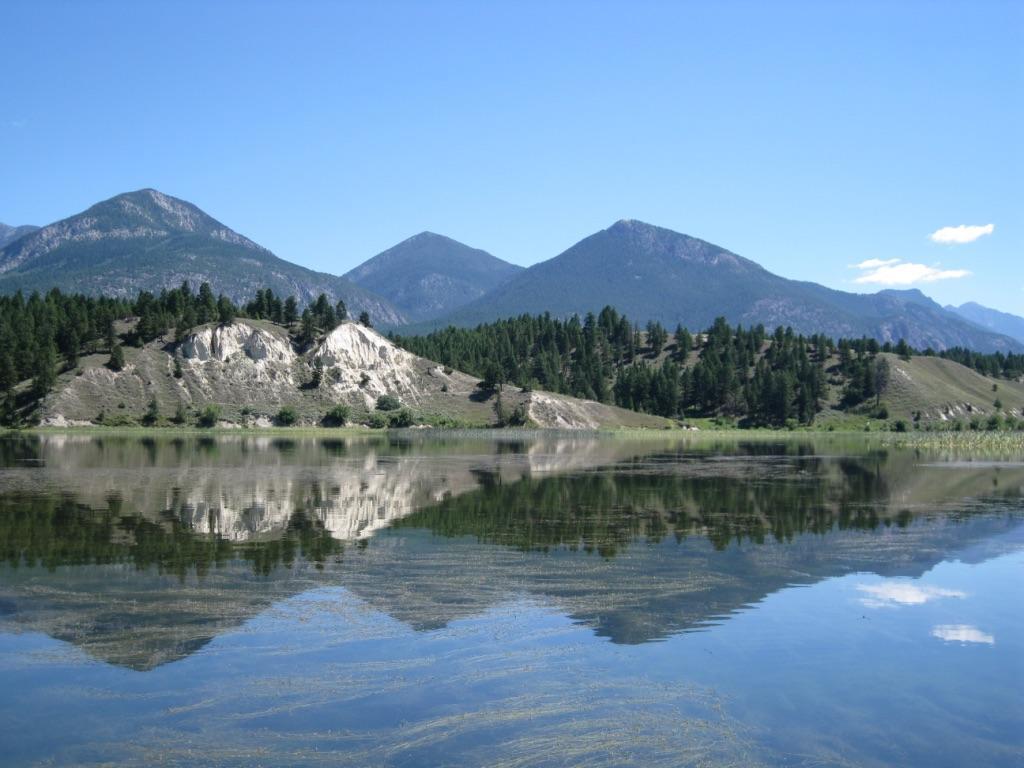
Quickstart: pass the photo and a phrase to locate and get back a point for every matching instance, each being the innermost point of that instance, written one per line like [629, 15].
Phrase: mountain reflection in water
[142, 551]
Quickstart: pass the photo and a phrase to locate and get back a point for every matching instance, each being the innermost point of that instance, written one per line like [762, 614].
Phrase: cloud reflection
[890, 594]
[962, 633]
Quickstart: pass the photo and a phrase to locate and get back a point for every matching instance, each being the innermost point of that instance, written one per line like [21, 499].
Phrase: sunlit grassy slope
[941, 388]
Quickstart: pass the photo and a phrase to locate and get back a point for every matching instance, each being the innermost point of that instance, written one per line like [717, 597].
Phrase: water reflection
[636, 540]
[890, 594]
[962, 633]
[463, 600]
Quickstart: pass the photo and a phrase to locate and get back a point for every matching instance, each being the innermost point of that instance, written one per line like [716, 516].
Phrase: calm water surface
[547, 600]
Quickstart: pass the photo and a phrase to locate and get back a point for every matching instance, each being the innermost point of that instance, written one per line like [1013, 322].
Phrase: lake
[516, 600]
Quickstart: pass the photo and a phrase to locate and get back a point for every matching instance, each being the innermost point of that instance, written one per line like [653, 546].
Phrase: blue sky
[807, 136]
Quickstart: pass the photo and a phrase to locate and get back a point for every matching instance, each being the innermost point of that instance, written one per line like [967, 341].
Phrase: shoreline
[888, 437]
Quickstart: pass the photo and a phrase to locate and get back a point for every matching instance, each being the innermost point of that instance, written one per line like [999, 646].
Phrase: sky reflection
[890, 594]
[962, 633]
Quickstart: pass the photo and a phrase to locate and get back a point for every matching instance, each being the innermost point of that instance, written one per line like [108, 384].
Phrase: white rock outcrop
[356, 358]
[225, 342]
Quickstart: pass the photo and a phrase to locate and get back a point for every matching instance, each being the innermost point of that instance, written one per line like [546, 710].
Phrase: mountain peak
[429, 274]
[148, 240]
[633, 224]
[427, 236]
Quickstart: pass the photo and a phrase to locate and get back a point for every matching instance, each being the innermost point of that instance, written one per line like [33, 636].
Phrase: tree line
[759, 378]
[745, 373]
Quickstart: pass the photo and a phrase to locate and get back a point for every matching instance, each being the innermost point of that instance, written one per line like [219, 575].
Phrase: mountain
[9, 234]
[147, 240]
[993, 319]
[651, 273]
[429, 275]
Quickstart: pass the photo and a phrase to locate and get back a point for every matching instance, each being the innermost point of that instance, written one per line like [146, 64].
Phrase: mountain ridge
[9, 234]
[147, 240]
[698, 281]
[992, 319]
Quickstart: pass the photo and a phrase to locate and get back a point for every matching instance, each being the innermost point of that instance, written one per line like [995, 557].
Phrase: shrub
[882, 412]
[338, 416]
[993, 423]
[152, 413]
[518, 417]
[378, 420]
[402, 418]
[899, 426]
[388, 403]
[209, 416]
[286, 417]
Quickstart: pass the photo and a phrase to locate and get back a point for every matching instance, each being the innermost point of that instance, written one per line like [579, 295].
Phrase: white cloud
[875, 263]
[899, 272]
[889, 594]
[965, 233]
[962, 633]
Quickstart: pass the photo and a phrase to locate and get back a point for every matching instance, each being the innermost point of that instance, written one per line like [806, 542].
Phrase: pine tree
[116, 362]
[291, 310]
[307, 332]
[45, 367]
[225, 310]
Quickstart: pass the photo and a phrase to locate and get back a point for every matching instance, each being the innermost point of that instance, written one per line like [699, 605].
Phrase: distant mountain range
[993, 319]
[429, 275]
[9, 234]
[149, 240]
[651, 273]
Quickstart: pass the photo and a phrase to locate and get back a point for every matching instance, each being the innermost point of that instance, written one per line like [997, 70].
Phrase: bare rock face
[554, 411]
[359, 360]
[227, 342]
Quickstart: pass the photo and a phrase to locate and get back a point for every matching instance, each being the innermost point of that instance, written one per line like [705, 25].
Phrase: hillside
[944, 390]
[651, 273]
[147, 240]
[251, 369]
[429, 275]
[993, 319]
[9, 234]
